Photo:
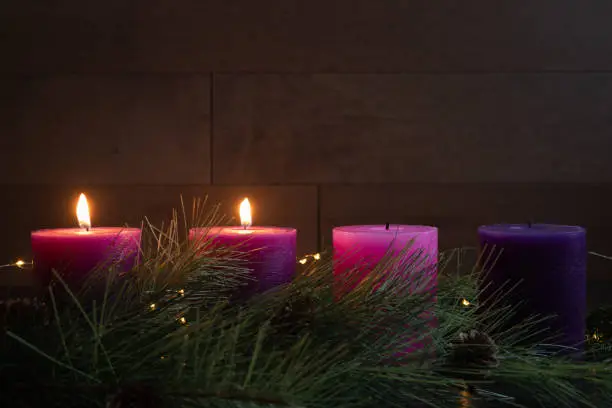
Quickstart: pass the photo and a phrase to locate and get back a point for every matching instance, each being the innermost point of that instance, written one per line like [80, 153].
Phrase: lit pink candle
[75, 252]
[267, 252]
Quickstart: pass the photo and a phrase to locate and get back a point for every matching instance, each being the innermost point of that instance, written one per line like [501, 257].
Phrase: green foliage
[172, 333]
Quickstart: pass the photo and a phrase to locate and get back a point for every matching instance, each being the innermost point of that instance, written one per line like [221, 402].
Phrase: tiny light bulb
[182, 292]
[316, 256]
[19, 263]
[183, 320]
[465, 302]
[303, 261]
[152, 306]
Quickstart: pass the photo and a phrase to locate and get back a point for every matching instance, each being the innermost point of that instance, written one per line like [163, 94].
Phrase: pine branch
[171, 329]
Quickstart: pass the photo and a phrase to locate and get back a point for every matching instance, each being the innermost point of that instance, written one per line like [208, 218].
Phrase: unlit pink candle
[358, 249]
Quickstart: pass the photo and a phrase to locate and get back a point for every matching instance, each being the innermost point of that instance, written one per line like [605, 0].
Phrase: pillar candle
[548, 265]
[269, 253]
[359, 248]
[75, 252]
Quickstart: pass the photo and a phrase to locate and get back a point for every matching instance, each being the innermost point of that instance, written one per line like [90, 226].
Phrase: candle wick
[387, 226]
[529, 223]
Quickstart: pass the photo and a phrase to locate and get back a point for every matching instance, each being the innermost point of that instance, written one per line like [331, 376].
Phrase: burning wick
[387, 226]
[82, 212]
[245, 214]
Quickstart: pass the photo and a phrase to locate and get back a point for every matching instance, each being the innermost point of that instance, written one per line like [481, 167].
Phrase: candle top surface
[80, 232]
[533, 230]
[236, 230]
[382, 229]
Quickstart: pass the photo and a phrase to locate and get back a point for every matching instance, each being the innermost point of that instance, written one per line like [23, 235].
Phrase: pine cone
[474, 349]
[600, 322]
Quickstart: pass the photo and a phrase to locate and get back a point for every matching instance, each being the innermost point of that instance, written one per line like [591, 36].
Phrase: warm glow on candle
[245, 213]
[82, 211]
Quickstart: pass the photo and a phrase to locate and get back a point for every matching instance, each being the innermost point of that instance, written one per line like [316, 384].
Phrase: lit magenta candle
[267, 252]
[75, 252]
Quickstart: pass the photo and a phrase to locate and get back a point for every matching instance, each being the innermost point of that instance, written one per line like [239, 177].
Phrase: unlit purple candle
[545, 266]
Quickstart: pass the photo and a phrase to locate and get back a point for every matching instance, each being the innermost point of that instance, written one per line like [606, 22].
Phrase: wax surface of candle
[74, 252]
[359, 248]
[548, 262]
[268, 252]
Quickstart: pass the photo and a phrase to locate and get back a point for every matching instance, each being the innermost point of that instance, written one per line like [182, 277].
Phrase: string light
[464, 399]
[20, 263]
[152, 306]
[465, 302]
[183, 320]
[182, 292]
[314, 257]
[596, 336]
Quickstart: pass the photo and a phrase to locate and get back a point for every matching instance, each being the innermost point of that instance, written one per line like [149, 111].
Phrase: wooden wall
[324, 112]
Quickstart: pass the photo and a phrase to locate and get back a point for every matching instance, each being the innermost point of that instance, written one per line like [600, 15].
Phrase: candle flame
[82, 211]
[245, 213]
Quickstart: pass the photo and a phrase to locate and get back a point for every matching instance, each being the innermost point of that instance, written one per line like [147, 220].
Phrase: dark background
[452, 113]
